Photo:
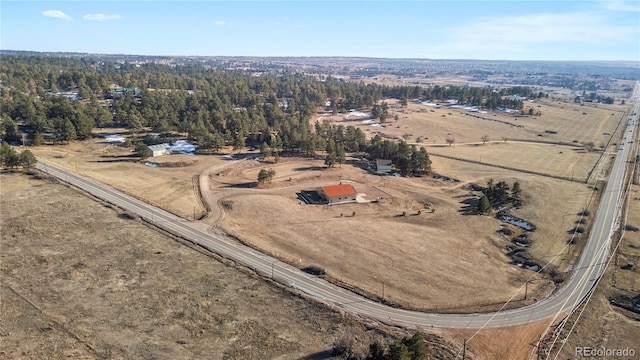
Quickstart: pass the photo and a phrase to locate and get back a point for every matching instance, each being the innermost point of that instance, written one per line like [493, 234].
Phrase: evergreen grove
[498, 195]
[213, 107]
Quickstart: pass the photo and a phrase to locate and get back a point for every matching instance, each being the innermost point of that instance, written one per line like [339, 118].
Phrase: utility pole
[464, 348]
[526, 283]
[540, 346]
[383, 290]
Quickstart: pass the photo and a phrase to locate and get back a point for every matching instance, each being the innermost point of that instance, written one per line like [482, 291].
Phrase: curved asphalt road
[585, 272]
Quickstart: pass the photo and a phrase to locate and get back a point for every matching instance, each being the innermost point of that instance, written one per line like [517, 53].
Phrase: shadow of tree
[320, 355]
[246, 185]
[469, 206]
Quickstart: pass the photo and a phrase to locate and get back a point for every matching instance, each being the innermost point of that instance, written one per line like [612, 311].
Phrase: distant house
[120, 92]
[383, 166]
[178, 147]
[335, 194]
[160, 149]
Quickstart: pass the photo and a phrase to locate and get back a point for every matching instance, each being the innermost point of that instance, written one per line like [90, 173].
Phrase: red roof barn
[338, 193]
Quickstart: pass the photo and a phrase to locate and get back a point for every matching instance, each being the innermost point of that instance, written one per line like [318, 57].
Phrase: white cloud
[620, 5]
[101, 17]
[56, 14]
[223, 23]
[533, 36]
[519, 33]
[578, 27]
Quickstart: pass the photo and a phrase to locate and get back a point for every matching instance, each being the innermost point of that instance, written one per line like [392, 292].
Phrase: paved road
[586, 271]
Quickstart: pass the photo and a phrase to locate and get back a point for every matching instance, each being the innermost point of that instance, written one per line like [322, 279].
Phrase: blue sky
[498, 30]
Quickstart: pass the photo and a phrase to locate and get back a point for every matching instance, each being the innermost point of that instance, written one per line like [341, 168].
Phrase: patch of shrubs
[314, 270]
[629, 227]
[409, 348]
[576, 230]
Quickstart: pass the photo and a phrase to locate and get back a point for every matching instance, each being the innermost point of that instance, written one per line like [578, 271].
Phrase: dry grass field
[552, 159]
[82, 281]
[414, 260]
[421, 260]
[572, 122]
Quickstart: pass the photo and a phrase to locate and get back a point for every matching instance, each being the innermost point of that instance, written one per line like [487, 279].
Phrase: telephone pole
[464, 348]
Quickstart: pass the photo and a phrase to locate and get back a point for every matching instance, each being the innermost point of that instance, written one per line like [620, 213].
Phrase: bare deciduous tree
[450, 140]
[589, 146]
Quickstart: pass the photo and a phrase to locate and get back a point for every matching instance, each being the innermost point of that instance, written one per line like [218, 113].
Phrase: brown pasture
[420, 260]
[169, 187]
[551, 159]
[574, 124]
[79, 280]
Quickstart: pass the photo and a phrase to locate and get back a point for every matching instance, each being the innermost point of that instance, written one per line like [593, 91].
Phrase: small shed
[160, 149]
[335, 194]
[383, 166]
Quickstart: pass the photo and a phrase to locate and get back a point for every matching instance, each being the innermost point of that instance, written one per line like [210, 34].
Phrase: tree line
[10, 159]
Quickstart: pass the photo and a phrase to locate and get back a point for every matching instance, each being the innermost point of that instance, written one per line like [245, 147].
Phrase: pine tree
[421, 161]
[340, 154]
[38, 139]
[502, 193]
[266, 175]
[376, 351]
[27, 159]
[142, 150]
[332, 154]
[484, 206]
[265, 150]
[8, 156]
[398, 351]
[417, 347]
[66, 132]
[516, 194]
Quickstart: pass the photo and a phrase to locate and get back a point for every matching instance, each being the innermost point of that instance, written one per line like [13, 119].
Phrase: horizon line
[319, 56]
